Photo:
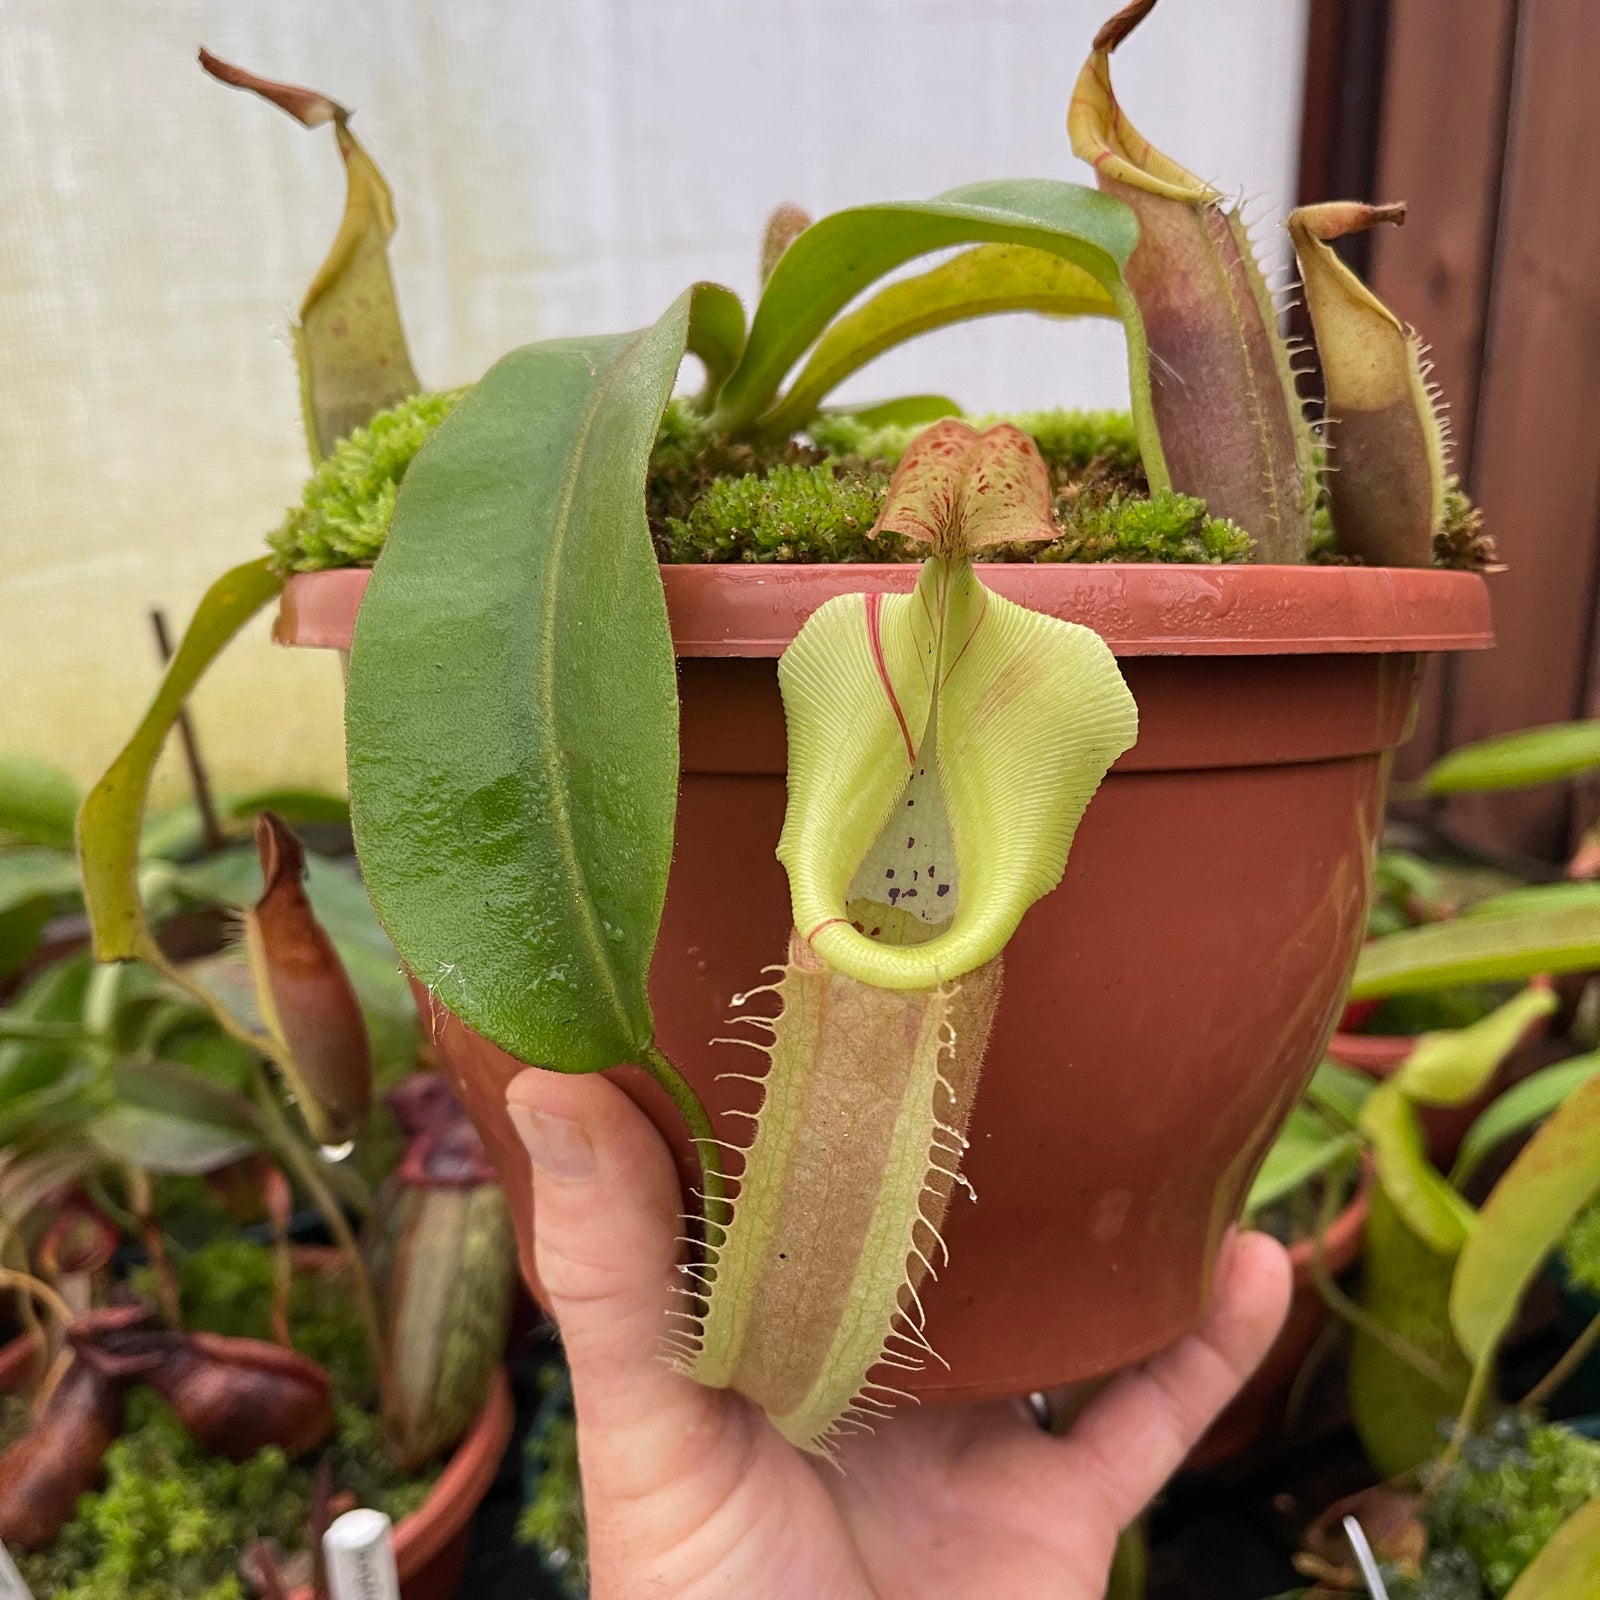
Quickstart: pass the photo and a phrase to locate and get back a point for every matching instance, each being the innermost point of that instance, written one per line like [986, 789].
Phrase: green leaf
[37, 802]
[513, 718]
[34, 881]
[1568, 1568]
[1307, 1145]
[109, 823]
[908, 411]
[1450, 1068]
[183, 1091]
[1405, 1289]
[297, 807]
[837, 258]
[1340, 1092]
[1555, 1175]
[987, 281]
[1520, 1107]
[1517, 760]
[161, 1142]
[1432, 1210]
[1508, 948]
[1539, 897]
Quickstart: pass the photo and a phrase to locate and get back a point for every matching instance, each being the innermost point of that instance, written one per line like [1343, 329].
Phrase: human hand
[689, 1492]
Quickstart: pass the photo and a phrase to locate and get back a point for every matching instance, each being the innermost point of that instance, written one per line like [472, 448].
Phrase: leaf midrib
[550, 753]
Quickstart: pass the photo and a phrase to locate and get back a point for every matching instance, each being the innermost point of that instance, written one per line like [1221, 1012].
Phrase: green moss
[1160, 527]
[1580, 1251]
[226, 1287]
[1071, 442]
[1513, 1487]
[343, 515]
[171, 1523]
[790, 513]
[1461, 541]
[712, 499]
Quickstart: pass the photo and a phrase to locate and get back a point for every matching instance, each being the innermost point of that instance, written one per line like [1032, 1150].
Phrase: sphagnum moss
[812, 499]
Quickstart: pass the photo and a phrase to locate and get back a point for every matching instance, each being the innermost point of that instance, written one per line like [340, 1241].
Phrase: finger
[1135, 1435]
[606, 1206]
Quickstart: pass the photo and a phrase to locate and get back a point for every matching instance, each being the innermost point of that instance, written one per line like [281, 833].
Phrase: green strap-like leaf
[109, 823]
[1517, 760]
[1497, 949]
[1521, 1106]
[987, 281]
[1568, 1568]
[1451, 1067]
[839, 257]
[1539, 897]
[512, 722]
[1553, 1178]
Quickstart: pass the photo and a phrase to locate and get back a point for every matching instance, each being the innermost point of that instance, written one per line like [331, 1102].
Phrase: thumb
[606, 1220]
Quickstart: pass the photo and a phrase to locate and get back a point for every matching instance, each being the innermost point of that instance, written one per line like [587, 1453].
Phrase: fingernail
[556, 1145]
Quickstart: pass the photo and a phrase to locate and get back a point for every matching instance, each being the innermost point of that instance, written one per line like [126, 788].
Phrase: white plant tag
[360, 1554]
[11, 1585]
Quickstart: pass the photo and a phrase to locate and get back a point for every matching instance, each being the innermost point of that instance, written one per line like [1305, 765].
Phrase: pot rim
[1143, 609]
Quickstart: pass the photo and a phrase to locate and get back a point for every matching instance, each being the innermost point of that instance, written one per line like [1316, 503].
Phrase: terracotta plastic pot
[1163, 1006]
[431, 1545]
[1258, 1410]
[1381, 1055]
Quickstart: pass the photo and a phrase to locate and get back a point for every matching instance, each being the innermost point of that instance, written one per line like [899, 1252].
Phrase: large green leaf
[1517, 760]
[1521, 1106]
[1568, 1568]
[37, 802]
[837, 258]
[1554, 1177]
[512, 722]
[109, 823]
[1490, 949]
[1453, 1066]
[986, 281]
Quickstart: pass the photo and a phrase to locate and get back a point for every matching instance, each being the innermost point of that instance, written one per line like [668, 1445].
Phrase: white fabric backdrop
[559, 166]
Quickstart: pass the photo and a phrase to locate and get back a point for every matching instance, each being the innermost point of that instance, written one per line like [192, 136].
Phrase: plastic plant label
[11, 1585]
[360, 1553]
